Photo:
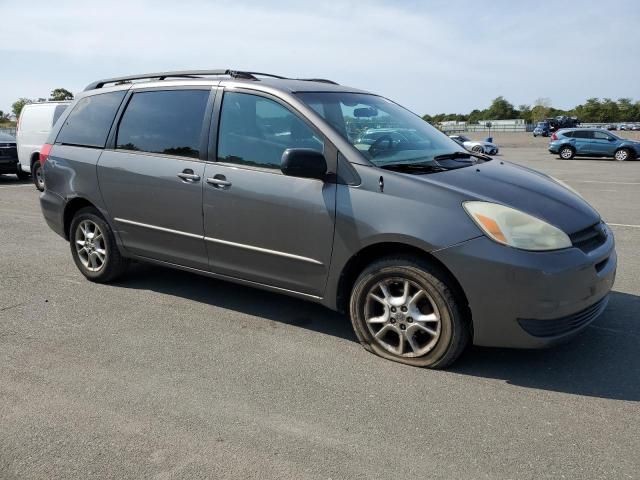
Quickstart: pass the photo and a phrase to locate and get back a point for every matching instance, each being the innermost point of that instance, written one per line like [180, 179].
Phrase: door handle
[219, 181]
[188, 176]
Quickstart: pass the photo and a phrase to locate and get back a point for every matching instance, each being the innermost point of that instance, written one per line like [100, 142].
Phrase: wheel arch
[70, 209]
[35, 156]
[364, 257]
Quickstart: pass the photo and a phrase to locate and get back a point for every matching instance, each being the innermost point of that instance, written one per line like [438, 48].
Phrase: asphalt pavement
[167, 374]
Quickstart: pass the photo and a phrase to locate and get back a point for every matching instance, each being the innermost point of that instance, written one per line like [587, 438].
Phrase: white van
[34, 125]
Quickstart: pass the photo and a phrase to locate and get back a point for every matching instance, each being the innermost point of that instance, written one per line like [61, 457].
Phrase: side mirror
[611, 139]
[304, 163]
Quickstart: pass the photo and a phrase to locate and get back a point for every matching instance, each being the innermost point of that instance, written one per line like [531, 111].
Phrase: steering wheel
[376, 146]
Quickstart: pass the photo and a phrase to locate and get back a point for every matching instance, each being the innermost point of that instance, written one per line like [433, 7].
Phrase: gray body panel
[155, 213]
[270, 228]
[297, 235]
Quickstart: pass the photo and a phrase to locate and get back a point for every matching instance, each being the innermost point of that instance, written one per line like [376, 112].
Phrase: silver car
[265, 181]
[488, 148]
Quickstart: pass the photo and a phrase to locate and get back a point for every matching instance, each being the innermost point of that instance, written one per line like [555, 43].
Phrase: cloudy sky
[432, 56]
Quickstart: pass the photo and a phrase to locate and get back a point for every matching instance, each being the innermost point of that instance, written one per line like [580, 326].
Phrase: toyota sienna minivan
[260, 180]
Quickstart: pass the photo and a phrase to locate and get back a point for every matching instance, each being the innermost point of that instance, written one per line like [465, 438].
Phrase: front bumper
[526, 299]
[8, 164]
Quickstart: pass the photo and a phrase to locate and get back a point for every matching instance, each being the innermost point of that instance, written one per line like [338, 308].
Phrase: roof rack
[194, 74]
[321, 80]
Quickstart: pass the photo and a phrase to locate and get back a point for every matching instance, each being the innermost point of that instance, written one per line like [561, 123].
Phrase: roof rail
[192, 74]
[321, 80]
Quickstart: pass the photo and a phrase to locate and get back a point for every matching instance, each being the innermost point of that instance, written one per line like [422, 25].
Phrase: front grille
[563, 325]
[590, 238]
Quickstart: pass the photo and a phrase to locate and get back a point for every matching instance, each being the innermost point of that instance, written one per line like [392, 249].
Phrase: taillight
[44, 153]
[554, 137]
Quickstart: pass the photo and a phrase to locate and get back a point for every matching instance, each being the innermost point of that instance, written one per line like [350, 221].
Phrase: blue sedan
[592, 142]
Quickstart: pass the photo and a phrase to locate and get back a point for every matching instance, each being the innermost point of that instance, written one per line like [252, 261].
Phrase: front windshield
[382, 131]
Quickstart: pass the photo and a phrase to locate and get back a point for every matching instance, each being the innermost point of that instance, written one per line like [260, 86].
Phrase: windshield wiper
[415, 167]
[460, 155]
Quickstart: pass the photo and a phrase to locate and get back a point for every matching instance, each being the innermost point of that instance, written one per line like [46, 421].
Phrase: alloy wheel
[566, 153]
[90, 246]
[402, 317]
[621, 155]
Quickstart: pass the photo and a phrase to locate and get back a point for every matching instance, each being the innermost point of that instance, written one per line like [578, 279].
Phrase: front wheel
[478, 149]
[622, 155]
[38, 175]
[93, 247]
[407, 311]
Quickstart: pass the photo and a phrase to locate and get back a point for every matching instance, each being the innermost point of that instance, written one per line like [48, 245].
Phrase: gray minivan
[261, 180]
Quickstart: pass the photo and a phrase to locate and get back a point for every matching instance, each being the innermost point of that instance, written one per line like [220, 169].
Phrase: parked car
[9, 156]
[635, 126]
[255, 179]
[592, 142]
[624, 126]
[561, 121]
[488, 148]
[542, 129]
[34, 125]
[611, 126]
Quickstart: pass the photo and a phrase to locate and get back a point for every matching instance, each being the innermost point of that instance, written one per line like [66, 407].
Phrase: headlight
[571, 189]
[515, 228]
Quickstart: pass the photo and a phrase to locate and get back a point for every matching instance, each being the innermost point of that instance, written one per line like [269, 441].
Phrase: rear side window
[59, 110]
[582, 134]
[164, 121]
[569, 134]
[89, 123]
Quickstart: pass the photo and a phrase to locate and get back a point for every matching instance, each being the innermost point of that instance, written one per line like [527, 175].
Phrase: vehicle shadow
[603, 361]
[11, 179]
[231, 296]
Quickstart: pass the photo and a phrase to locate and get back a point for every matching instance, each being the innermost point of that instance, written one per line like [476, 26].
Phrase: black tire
[622, 154]
[114, 263]
[454, 326]
[566, 152]
[477, 149]
[36, 173]
[22, 175]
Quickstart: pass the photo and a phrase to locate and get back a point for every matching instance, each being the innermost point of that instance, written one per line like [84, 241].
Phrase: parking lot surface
[167, 374]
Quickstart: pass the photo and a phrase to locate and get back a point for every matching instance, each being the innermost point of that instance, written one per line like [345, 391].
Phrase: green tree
[500, 109]
[626, 110]
[540, 109]
[610, 112]
[58, 94]
[19, 104]
[524, 112]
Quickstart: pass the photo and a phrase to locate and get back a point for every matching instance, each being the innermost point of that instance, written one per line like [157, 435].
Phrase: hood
[521, 188]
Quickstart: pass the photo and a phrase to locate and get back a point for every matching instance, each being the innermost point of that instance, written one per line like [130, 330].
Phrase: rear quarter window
[89, 123]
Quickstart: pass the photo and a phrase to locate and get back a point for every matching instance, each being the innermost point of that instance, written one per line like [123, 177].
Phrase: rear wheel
[622, 154]
[38, 175]
[406, 310]
[93, 247]
[567, 153]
